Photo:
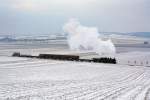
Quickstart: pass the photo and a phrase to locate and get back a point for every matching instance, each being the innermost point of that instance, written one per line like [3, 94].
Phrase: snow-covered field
[33, 79]
[37, 79]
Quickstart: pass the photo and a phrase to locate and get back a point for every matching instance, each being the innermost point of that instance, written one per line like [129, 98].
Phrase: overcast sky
[48, 16]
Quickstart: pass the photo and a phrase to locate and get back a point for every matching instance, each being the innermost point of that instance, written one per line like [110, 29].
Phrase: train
[67, 58]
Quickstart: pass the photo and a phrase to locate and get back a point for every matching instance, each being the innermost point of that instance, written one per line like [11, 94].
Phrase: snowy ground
[35, 79]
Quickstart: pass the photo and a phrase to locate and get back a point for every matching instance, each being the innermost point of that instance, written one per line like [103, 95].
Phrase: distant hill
[13, 38]
[138, 34]
[141, 34]
[7, 39]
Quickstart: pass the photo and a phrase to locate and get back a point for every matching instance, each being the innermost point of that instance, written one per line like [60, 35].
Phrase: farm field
[37, 79]
[33, 79]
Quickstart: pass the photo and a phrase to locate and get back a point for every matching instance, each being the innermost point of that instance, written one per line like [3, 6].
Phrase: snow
[34, 79]
[5, 59]
[134, 58]
[37, 79]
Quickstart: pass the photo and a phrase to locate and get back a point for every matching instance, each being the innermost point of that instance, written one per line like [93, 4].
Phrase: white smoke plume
[87, 38]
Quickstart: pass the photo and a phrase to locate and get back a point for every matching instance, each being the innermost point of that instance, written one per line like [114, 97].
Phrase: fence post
[141, 63]
[128, 62]
[135, 62]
